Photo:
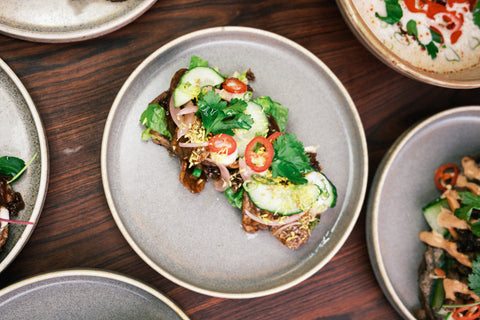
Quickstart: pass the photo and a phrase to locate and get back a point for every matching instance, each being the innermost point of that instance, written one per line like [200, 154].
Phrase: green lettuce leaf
[275, 109]
[154, 117]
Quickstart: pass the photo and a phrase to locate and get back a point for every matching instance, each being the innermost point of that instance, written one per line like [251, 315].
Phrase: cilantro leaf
[394, 12]
[476, 14]
[469, 202]
[476, 228]
[275, 109]
[474, 277]
[218, 117]
[197, 62]
[431, 47]
[11, 166]
[290, 159]
[155, 119]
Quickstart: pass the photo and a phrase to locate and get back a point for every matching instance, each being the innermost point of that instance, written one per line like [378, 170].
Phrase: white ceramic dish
[85, 294]
[402, 186]
[468, 78]
[22, 136]
[67, 20]
[197, 241]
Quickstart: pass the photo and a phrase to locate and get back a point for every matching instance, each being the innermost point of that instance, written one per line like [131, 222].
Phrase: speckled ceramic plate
[85, 294]
[468, 78]
[67, 20]
[402, 186]
[197, 240]
[22, 135]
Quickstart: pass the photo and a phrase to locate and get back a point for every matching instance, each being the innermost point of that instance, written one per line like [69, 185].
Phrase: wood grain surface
[73, 86]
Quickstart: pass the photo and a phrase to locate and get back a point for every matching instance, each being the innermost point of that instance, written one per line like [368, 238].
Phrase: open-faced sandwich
[219, 132]
[11, 202]
[449, 276]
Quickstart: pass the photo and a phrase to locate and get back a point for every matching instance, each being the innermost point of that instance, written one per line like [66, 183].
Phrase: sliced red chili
[259, 158]
[446, 175]
[466, 313]
[222, 143]
[274, 136]
[234, 85]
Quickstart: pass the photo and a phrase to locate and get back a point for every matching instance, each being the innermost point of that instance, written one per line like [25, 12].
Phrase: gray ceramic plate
[197, 240]
[67, 20]
[22, 135]
[85, 294]
[403, 185]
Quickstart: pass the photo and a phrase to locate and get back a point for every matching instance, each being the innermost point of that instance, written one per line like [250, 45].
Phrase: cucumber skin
[216, 79]
[258, 203]
[431, 211]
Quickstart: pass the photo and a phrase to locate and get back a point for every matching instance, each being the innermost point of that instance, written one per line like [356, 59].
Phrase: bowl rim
[366, 36]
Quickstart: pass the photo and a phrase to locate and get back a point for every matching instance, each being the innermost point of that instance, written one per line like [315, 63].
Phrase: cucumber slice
[328, 198]
[282, 199]
[431, 212]
[259, 127]
[192, 81]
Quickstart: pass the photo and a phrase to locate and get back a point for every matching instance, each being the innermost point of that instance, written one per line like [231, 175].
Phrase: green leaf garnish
[468, 203]
[14, 167]
[218, 117]
[197, 62]
[476, 14]
[154, 117]
[394, 12]
[235, 198]
[10, 166]
[290, 159]
[275, 109]
[431, 47]
[474, 277]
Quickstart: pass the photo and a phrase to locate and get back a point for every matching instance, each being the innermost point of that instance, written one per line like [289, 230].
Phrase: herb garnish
[275, 109]
[431, 47]
[474, 277]
[290, 159]
[197, 62]
[154, 118]
[469, 202]
[14, 167]
[476, 14]
[394, 12]
[219, 117]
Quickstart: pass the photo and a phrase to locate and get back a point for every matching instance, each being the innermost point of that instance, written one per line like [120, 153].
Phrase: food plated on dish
[197, 240]
[11, 202]
[23, 139]
[449, 275]
[434, 41]
[219, 131]
[437, 36]
[394, 214]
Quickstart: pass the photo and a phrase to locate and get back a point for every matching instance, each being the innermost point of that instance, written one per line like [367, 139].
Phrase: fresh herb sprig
[275, 109]
[476, 14]
[394, 12]
[219, 117]
[431, 47]
[14, 167]
[468, 203]
[474, 277]
[290, 159]
[154, 117]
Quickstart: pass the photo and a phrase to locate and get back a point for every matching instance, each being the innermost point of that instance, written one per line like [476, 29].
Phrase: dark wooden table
[74, 85]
